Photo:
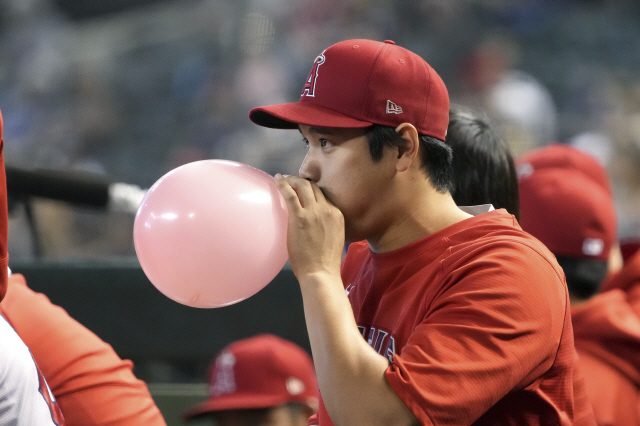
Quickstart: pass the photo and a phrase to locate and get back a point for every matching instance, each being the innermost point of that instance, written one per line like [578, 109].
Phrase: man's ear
[409, 153]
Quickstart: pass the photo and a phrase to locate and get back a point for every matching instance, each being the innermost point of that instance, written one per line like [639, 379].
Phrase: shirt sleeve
[495, 326]
[92, 384]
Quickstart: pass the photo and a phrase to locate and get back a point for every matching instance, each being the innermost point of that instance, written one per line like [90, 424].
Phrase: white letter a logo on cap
[393, 108]
[309, 88]
[224, 382]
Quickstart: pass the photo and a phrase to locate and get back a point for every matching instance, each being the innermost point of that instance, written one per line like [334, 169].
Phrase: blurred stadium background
[130, 89]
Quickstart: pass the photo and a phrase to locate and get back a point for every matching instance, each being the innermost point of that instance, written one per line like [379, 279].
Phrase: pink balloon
[211, 233]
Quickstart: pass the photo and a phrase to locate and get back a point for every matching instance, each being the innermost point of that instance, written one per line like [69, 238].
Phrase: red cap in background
[357, 83]
[259, 372]
[558, 156]
[570, 213]
[566, 202]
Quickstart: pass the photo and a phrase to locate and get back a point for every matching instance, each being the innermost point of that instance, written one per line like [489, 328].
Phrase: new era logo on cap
[393, 108]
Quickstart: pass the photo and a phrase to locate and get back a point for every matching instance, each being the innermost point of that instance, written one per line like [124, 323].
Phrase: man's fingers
[318, 194]
[288, 193]
[303, 188]
[306, 193]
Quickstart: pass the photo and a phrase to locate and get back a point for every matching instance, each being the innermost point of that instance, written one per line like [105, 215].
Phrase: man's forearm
[351, 374]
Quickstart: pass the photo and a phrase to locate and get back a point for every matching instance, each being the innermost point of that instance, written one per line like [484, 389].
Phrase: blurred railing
[168, 342]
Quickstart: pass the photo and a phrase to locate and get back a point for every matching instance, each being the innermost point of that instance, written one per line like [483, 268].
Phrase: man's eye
[306, 142]
[323, 142]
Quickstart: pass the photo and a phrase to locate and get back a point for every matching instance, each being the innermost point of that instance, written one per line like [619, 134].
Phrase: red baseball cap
[259, 372]
[358, 83]
[569, 212]
[561, 156]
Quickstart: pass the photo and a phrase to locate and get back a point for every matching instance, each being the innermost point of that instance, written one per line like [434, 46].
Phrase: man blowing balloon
[436, 317]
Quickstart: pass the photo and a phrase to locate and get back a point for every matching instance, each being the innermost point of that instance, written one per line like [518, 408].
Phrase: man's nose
[309, 169]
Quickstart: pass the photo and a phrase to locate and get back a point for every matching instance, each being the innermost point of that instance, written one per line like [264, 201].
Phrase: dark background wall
[167, 341]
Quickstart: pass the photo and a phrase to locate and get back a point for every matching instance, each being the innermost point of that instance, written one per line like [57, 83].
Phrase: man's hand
[316, 228]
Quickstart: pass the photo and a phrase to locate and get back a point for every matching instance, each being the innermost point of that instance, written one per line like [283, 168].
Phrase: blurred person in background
[91, 384]
[259, 381]
[521, 107]
[565, 202]
[25, 396]
[482, 166]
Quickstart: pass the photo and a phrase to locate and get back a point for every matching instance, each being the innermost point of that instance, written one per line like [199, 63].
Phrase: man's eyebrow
[318, 130]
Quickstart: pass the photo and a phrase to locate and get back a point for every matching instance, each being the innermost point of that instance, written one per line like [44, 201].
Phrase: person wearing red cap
[570, 209]
[260, 381]
[561, 156]
[435, 316]
[25, 397]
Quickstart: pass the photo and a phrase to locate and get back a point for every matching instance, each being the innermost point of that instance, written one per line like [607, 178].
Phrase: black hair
[584, 276]
[436, 155]
[483, 169]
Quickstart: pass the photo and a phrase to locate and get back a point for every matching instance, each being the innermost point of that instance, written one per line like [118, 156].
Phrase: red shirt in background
[607, 338]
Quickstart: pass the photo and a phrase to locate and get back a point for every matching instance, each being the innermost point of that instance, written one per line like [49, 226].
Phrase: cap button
[390, 42]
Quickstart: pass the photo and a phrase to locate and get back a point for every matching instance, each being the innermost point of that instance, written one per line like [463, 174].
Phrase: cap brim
[234, 402]
[289, 116]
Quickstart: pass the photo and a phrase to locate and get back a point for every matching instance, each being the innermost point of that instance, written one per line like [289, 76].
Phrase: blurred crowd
[137, 92]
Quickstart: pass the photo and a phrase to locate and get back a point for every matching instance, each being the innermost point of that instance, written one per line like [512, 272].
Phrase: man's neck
[430, 214]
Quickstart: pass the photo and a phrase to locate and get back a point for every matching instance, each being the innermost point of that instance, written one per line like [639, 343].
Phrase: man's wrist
[320, 278]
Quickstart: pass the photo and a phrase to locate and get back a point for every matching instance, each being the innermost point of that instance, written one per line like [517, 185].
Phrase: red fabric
[476, 320]
[627, 279]
[356, 83]
[92, 385]
[607, 338]
[259, 372]
[629, 247]
[4, 221]
[570, 213]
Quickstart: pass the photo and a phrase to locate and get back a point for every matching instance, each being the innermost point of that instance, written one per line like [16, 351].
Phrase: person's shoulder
[497, 234]
[497, 228]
